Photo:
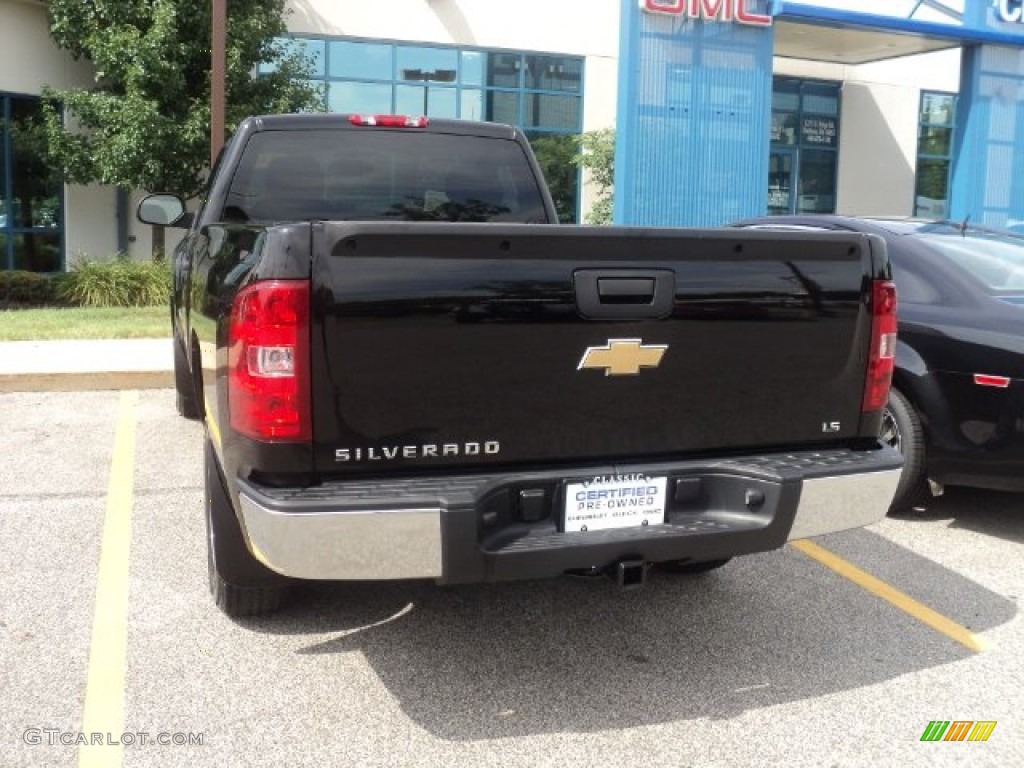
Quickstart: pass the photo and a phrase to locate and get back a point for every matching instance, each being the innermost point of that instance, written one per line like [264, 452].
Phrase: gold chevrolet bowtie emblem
[623, 357]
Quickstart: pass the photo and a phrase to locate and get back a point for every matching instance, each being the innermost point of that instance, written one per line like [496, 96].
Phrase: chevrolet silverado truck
[407, 371]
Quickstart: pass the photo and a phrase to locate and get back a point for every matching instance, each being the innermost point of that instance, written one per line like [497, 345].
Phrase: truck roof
[340, 121]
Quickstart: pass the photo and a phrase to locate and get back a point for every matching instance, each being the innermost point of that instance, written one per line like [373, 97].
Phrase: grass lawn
[85, 323]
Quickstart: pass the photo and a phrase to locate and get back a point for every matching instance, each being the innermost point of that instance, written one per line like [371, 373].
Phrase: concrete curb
[85, 381]
[87, 364]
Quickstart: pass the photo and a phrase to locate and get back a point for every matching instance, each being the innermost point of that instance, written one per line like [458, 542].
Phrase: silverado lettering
[354, 287]
[428, 451]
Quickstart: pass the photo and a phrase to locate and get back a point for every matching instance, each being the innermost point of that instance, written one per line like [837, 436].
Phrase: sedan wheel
[901, 428]
[890, 433]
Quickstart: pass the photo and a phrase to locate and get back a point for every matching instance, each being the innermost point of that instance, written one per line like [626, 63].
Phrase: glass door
[817, 181]
[804, 146]
[781, 182]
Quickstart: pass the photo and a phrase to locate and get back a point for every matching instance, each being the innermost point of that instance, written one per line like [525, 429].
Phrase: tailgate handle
[625, 290]
[624, 293]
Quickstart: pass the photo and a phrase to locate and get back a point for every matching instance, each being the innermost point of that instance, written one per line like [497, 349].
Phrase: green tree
[597, 155]
[145, 122]
[556, 156]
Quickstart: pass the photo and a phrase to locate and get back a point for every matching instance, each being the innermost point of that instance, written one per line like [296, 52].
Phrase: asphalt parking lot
[777, 659]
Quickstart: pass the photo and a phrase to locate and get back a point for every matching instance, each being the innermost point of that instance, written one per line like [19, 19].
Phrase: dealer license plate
[616, 501]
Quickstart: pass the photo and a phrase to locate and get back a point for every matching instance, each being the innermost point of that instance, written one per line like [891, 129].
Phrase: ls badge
[623, 357]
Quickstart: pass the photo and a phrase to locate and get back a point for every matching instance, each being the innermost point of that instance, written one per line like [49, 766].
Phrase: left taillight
[882, 355]
[268, 361]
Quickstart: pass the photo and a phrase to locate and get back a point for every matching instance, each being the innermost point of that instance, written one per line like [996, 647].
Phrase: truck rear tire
[240, 584]
[901, 428]
[184, 384]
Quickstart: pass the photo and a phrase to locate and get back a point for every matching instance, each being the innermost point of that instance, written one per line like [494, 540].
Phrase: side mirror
[162, 210]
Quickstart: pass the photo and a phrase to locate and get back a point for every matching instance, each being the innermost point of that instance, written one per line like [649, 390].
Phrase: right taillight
[268, 361]
[882, 353]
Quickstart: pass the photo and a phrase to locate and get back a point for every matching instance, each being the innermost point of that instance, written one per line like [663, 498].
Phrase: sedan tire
[901, 428]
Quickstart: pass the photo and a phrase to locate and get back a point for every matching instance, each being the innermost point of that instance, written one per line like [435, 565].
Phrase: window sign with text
[818, 131]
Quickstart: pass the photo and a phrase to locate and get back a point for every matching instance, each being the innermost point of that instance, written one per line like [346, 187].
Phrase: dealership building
[722, 108]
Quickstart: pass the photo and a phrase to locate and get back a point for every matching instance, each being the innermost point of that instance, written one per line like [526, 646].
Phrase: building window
[540, 93]
[934, 154]
[804, 146]
[31, 206]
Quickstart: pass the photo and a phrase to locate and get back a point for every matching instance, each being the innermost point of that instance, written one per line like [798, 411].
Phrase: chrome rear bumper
[433, 528]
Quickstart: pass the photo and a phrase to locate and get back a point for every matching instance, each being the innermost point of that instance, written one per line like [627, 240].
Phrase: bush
[27, 289]
[117, 283]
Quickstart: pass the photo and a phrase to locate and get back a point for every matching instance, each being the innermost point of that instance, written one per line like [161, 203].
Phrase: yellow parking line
[103, 712]
[904, 602]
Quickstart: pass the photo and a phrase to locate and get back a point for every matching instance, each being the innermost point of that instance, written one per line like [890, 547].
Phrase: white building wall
[29, 60]
[579, 27]
[879, 130]
[877, 150]
[90, 222]
[879, 125]
[28, 57]
[811, 70]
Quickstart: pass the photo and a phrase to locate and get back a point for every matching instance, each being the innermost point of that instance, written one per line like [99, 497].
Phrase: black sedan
[956, 410]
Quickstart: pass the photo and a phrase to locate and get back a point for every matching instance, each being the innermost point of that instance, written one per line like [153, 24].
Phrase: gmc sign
[1010, 11]
[708, 10]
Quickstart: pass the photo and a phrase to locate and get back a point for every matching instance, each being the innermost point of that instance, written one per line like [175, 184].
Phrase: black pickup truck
[407, 372]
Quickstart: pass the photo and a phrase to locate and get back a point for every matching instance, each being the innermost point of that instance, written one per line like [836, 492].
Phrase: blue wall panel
[988, 164]
[694, 119]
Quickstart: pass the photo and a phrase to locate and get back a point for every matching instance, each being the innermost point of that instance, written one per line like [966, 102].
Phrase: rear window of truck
[385, 175]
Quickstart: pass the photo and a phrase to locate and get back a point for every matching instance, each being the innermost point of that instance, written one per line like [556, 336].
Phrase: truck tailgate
[462, 345]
